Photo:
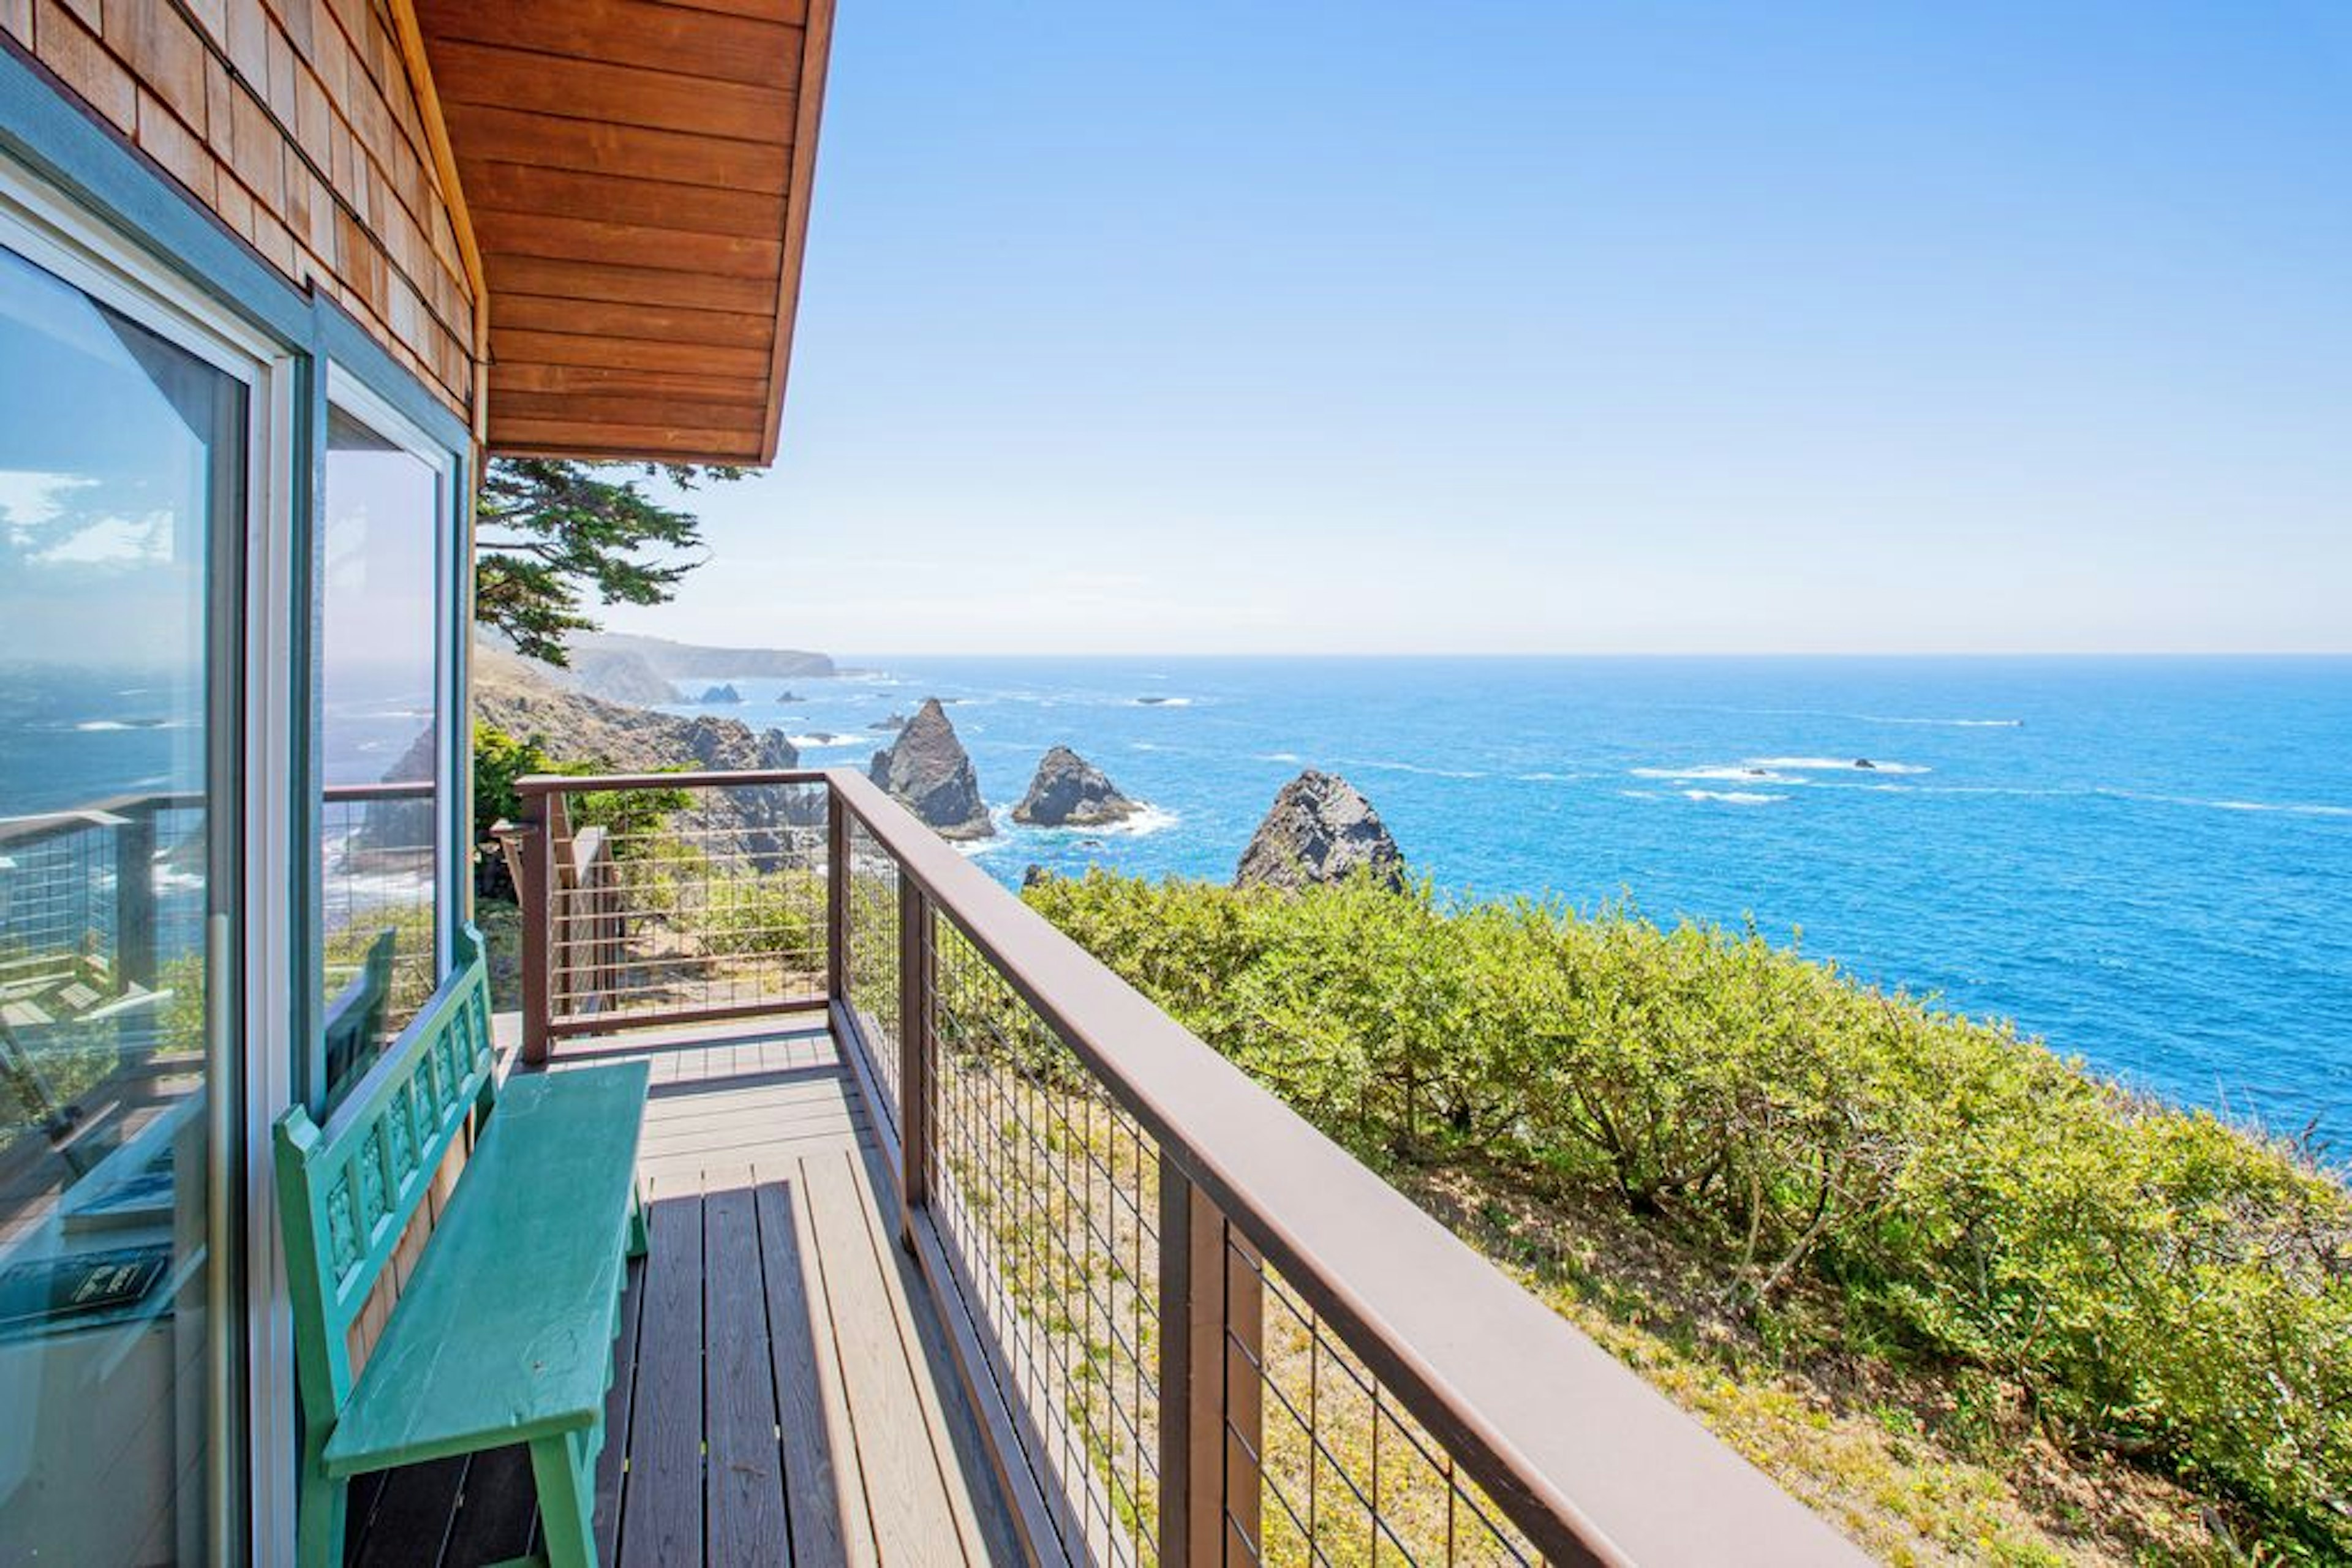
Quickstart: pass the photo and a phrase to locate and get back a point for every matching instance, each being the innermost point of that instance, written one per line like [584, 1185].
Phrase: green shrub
[2157, 1283]
[633, 816]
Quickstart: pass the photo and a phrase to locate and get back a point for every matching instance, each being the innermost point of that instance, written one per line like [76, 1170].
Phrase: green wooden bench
[504, 1332]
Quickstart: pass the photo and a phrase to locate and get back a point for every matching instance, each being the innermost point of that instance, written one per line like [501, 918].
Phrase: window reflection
[380, 680]
[120, 506]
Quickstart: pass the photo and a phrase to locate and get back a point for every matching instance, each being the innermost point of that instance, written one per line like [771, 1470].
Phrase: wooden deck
[784, 1392]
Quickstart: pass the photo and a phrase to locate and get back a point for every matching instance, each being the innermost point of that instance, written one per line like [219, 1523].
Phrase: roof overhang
[636, 176]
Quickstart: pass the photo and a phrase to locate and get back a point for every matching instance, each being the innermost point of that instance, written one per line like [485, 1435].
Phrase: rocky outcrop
[1071, 792]
[1321, 829]
[926, 771]
[511, 694]
[717, 694]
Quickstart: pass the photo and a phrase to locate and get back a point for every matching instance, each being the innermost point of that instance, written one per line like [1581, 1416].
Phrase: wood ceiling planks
[637, 175]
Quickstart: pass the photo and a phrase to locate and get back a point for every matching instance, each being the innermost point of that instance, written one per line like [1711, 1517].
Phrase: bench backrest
[347, 1191]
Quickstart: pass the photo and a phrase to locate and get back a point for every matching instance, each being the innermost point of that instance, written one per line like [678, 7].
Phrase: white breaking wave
[1840, 765]
[2279, 807]
[2138, 797]
[1159, 703]
[829, 741]
[1291, 758]
[1147, 819]
[1732, 796]
[1945, 723]
[1411, 768]
[1725, 772]
[2291, 808]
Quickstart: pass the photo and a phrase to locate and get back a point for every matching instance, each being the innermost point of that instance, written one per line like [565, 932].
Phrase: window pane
[380, 676]
[120, 503]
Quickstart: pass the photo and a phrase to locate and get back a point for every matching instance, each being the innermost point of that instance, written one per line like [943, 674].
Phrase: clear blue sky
[1565, 327]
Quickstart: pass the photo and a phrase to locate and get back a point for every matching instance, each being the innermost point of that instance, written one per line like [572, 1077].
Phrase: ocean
[2146, 862]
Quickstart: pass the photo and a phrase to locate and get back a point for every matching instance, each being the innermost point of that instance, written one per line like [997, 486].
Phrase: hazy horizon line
[2273, 654]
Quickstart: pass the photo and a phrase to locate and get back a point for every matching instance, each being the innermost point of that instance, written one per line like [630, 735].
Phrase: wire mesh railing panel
[378, 873]
[1346, 1475]
[1044, 1194]
[57, 901]
[870, 968]
[687, 902]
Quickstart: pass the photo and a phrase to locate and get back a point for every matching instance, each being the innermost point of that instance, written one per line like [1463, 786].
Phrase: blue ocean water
[2146, 861]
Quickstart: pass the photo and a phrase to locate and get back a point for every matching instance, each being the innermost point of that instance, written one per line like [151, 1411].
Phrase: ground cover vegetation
[1807, 1206]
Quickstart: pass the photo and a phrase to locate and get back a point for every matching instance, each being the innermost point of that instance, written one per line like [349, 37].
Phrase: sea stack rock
[926, 771]
[1071, 792]
[721, 694]
[1320, 829]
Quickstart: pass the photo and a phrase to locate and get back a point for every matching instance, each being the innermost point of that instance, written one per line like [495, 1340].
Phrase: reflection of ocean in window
[122, 500]
[380, 672]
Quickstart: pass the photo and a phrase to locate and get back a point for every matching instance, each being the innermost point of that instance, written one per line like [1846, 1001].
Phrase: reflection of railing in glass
[376, 877]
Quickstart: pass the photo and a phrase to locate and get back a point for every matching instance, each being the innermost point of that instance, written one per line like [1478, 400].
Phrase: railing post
[1212, 1415]
[836, 896]
[535, 888]
[134, 899]
[918, 985]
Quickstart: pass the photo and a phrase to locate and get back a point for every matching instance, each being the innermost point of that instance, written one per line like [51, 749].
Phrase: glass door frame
[453, 848]
[249, 1443]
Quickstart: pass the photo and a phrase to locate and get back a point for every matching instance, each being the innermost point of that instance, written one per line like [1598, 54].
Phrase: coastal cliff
[511, 694]
[676, 662]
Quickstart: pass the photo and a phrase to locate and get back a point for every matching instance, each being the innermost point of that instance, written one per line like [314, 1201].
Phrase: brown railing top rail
[1591, 1461]
[1592, 1464]
[92, 813]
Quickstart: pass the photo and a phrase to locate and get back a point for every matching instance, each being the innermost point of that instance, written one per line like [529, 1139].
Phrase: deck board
[743, 1477]
[781, 1392]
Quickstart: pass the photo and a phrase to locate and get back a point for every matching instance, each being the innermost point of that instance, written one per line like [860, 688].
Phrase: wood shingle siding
[296, 124]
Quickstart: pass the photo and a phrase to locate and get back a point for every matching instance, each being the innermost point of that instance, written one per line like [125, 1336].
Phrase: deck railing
[1196, 1330]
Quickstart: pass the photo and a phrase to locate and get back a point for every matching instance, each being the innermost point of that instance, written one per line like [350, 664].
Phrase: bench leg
[641, 1224]
[566, 1500]
[318, 1512]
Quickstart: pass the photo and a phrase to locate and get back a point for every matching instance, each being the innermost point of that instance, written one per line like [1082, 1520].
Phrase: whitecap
[1944, 723]
[2291, 808]
[1411, 768]
[827, 742]
[1726, 772]
[1147, 819]
[1159, 703]
[1840, 765]
[2271, 808]
[1732, 796]
[101, 726]
[1289, 758]
[1553, 778]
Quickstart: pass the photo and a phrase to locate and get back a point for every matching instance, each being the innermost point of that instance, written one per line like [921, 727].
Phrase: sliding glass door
[124, 457]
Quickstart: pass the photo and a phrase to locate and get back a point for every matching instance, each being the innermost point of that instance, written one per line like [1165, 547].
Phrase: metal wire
[377, 877]
[872, 966]
[1346, 1476]
[1045, 1193]
[679, 902]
